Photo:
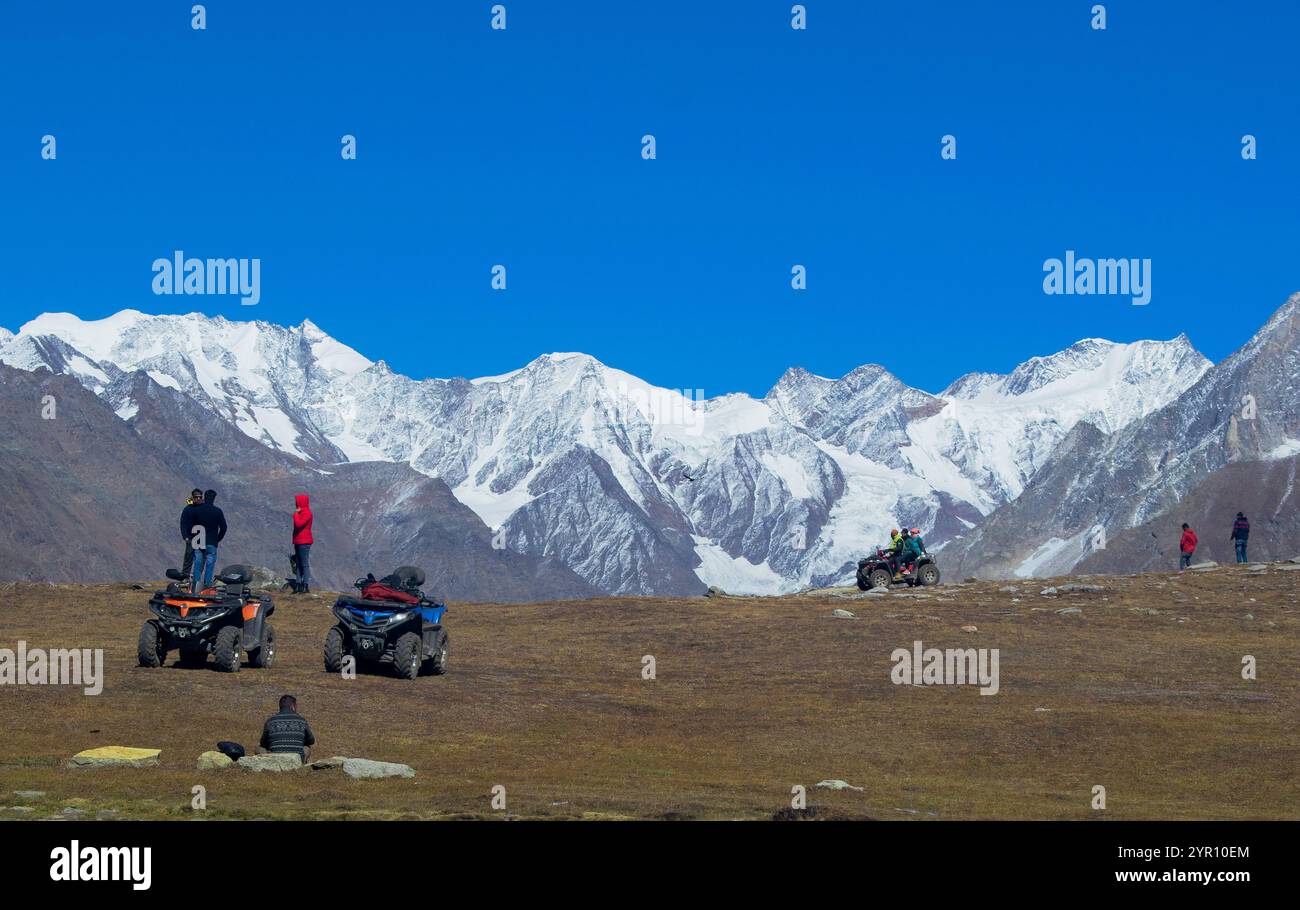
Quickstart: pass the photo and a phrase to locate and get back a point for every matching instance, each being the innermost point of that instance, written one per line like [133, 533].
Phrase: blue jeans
[205, 566]
[1184, 560]
[1241, 551]
[301, 550]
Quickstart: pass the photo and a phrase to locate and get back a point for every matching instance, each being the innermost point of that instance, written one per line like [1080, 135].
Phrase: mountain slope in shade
[637, 489]
[1244, 413]
[91, 496]
[1266, 491]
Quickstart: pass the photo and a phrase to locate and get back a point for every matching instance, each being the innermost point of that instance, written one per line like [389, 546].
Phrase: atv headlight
[399, 617]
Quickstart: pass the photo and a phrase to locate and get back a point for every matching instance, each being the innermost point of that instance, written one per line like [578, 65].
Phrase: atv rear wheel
[407, 656]
[226, 649]
[152, 648]
[437, 664]
[334, 650]
[879, 578]
[264, 656]
[929, 575]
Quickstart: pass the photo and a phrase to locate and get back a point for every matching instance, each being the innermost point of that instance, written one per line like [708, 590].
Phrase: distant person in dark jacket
[1187, 546]
[196, 497]
[287, 731]
[204, 525]
[1240, 534]
[302, 540]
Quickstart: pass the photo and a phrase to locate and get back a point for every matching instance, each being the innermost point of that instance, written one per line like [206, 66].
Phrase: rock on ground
[276, 761]
[836, 785]
[842, 614]
[324, 764]
[364, 769]
[264, 579]
[214, 761]
[115, 757]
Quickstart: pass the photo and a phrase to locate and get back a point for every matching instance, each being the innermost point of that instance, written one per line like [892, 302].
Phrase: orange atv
[223, 621]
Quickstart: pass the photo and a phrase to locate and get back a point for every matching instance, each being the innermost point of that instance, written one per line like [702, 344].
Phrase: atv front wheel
[264, 656]
[864, 582]
[407, 656]
[929, 575]
[879, 578]
[334, 650]
[152, 649]
[226, 649]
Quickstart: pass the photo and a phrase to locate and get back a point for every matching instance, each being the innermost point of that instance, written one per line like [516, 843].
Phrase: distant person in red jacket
[302, 539]
[1188, 546]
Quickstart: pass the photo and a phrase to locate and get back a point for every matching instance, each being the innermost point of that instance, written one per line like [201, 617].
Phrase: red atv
[876, 572]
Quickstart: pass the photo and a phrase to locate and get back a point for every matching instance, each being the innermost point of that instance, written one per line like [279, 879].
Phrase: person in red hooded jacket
[302, 539]
[1188, 546]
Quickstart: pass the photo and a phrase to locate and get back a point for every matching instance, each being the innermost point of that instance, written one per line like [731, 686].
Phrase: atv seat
[361, 603]
[235, 575]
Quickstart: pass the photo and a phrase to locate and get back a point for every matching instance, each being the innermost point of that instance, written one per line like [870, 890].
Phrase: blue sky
[775, 147]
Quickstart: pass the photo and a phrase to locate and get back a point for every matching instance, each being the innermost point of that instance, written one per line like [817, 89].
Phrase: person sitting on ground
[287, 731]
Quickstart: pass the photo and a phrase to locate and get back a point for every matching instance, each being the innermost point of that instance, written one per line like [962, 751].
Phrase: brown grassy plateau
[1141, 692]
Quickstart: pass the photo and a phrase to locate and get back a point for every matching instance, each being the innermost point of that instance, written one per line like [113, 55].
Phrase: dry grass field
[1140, 692]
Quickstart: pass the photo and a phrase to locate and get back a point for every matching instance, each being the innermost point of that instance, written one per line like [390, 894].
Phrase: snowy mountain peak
[1086, 363]
[637, 488]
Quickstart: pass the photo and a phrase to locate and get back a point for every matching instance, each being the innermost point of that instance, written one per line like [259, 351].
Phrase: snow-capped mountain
[638, 489]
[1098, 488]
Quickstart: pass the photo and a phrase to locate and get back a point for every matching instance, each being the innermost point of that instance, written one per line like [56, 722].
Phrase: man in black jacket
[1240, 535]
[204, 525]
[288, 731]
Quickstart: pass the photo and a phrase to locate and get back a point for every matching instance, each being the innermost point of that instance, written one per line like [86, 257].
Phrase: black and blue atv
[226, 620]
[391, 622]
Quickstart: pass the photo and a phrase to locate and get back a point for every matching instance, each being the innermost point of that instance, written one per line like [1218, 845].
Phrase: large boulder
[214, 761]
[275, 761]
[264, 579]
[115, 757]
[364, 769]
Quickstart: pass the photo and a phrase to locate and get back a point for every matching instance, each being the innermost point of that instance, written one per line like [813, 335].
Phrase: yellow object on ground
[116, 756]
